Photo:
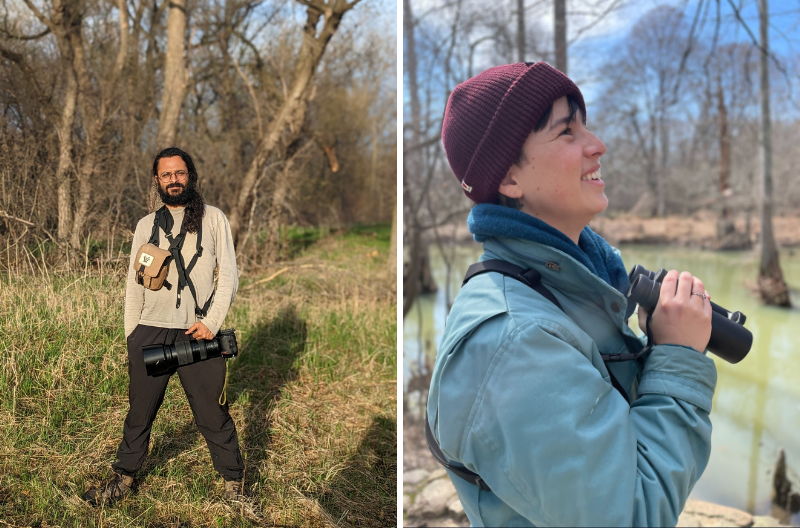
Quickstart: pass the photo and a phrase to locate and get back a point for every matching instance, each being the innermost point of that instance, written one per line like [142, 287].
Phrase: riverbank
[698, 230]
[429, 497]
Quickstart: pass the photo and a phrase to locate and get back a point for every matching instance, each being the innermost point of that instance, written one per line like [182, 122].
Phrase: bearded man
[162, 318]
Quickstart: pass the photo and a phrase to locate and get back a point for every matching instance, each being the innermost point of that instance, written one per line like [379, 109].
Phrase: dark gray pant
[202, 382]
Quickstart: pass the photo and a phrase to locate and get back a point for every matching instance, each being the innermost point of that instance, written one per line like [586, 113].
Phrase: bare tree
[292, 110]
[392, 261]
[174, 75]
[770, 277]
[521, 30]
[85, 99]
[647, 84]
[560, 34]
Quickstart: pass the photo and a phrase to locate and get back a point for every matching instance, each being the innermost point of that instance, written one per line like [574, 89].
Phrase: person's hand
[680, 317]
[200, 331]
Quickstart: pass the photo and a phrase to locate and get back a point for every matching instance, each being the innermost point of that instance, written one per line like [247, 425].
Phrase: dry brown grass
[313, 394]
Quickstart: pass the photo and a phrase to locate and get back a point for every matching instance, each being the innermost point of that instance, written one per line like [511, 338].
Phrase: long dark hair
[195, 206]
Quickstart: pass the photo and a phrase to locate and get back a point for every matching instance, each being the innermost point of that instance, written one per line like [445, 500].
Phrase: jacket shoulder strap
[530, 277]
[464, 473]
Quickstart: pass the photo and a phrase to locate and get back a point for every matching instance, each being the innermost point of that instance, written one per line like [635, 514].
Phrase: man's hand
[200, 331]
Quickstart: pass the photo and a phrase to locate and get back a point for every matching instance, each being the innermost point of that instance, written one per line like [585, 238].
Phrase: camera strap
[164, 220]
[533, 279]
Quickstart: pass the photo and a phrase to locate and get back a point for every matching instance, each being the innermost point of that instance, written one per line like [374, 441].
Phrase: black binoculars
[161, 359]
[730, 340]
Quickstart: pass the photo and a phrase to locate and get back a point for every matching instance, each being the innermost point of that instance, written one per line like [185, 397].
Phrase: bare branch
[10, 35]
[252, 95]
[596, 21]
[758, 45]
[20, 220]
[43, 19]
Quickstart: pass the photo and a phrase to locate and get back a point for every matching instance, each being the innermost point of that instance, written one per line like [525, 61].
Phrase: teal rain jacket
[521, 396]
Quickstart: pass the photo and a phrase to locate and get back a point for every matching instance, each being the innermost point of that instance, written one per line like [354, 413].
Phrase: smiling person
[202, 238]
[544, 406]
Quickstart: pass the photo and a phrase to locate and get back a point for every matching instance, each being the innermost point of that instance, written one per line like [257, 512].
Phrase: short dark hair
[574, 109]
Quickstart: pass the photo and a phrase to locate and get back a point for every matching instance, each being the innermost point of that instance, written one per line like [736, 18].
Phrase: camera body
[162, 359]
[729, 340]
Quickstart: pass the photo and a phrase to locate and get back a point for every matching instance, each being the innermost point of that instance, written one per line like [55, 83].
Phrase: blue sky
[596, 45]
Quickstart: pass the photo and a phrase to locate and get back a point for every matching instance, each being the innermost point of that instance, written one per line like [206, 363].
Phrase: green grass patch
[312, 392]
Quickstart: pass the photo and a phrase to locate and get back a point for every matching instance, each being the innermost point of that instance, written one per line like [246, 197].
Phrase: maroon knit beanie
[489, 117]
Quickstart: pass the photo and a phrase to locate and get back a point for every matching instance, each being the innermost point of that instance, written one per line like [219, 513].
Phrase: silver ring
[703, 295]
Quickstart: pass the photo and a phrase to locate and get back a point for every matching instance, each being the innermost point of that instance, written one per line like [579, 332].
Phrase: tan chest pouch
[152, 266]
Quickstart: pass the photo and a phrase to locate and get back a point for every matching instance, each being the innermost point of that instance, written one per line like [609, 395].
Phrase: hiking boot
[233, 491]
[110, 490]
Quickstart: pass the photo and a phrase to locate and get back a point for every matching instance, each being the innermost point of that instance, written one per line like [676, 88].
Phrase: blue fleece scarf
[488, 220]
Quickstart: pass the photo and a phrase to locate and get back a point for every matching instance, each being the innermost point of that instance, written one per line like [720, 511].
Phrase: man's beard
[183, 198]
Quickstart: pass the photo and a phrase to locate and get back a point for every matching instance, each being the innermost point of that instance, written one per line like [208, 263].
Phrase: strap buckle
[481, 484]
[610, 358]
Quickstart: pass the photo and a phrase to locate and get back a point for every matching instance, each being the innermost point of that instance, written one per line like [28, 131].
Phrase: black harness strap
[532, 278]
[163, 219]
[464, 473]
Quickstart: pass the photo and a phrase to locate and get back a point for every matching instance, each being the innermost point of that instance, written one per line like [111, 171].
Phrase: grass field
[313, 394]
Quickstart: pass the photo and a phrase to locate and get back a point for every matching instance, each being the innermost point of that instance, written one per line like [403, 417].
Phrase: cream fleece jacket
[157, 308]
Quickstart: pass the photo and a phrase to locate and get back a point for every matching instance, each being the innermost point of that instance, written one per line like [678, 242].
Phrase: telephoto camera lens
[729, 339]
[161, 359]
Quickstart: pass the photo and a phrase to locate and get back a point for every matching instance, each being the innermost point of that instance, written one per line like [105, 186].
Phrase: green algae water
[756, 407]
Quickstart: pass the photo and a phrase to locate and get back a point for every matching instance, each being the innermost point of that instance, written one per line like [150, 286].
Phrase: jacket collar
[559, 270]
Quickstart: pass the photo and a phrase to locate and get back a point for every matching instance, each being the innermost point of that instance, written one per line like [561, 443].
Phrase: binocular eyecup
[730, 340]
[163, 359]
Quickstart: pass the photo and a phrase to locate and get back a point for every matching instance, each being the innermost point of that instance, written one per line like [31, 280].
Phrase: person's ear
[509, 186]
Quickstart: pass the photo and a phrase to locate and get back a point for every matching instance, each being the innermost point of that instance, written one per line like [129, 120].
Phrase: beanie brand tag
[465, 186]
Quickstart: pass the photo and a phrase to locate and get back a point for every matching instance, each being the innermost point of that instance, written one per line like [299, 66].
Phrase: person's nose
[594, 147]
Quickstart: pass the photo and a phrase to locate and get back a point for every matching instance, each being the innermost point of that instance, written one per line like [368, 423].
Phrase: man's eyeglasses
[167, 176]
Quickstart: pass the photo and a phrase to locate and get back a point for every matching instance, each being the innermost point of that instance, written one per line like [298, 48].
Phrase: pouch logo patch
[146, 259]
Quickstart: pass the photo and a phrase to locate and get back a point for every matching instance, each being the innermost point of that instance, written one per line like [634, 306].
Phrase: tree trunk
[561, 35]
[122, 55]
[411, 70]
[84, 190]
[724, 149]
[373, 187]
[661, 183]
[770, 277]
[393, 246]
[412, 163]
[785, 503]
[727, 236]
[272, 243]
[174, 75]
[65, 21]
[63, 177]
[521, 30]
[411, 273]
[293, 109]
[93, 119]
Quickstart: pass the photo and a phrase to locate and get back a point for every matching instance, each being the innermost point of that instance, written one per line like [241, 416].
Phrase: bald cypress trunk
[770, 277]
